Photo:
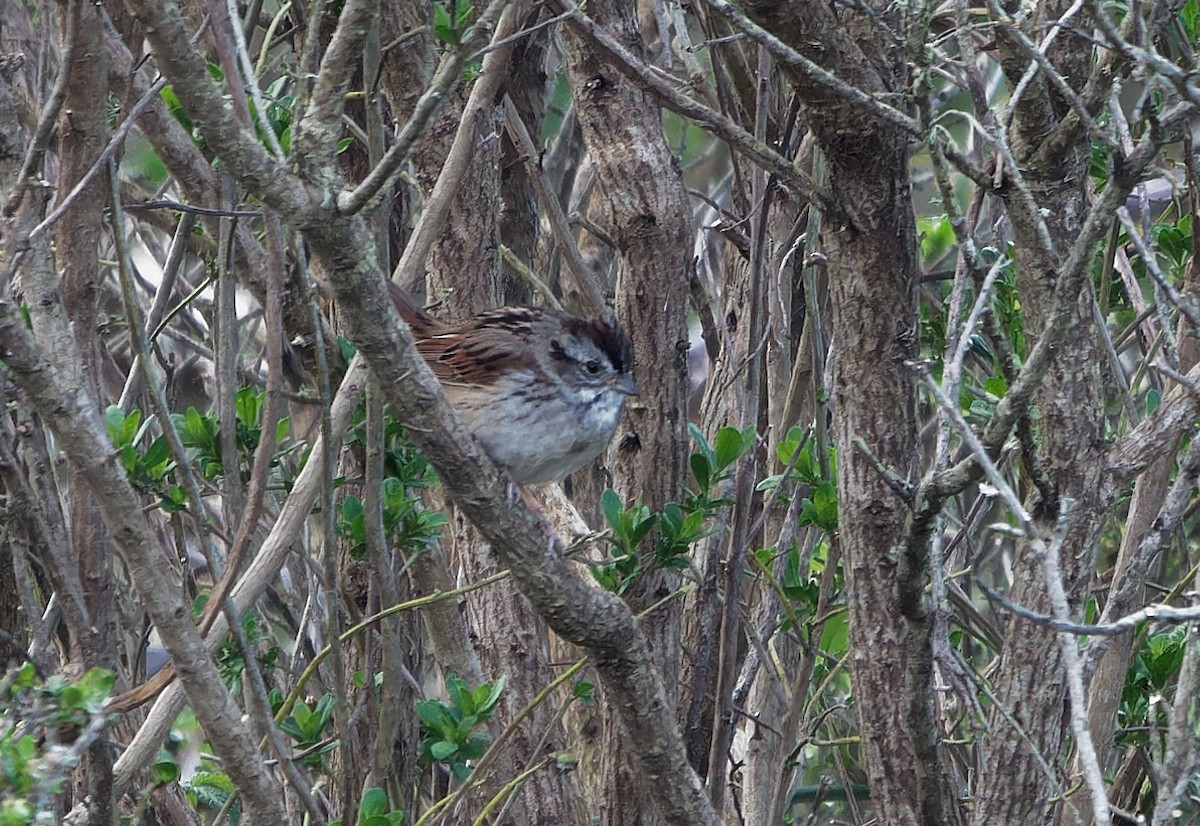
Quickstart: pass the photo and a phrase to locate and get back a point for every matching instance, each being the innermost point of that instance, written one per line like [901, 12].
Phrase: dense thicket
[898, 530]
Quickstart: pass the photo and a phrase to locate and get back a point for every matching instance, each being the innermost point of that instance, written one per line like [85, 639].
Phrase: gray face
[581, 361]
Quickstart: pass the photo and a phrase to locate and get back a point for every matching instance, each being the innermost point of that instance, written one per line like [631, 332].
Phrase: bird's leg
[513, 487]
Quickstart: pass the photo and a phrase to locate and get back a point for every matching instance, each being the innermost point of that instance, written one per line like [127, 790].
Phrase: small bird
[540, 389]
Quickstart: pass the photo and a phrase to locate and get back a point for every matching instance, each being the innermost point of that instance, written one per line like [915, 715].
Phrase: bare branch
[73, 417]
[816, 73]
[585, 279]
[115, 144]
[1052, 578]
[41, 134]
[1157, 614]
[427, 106]
[318, 133]
[238, 148]
[667, 93]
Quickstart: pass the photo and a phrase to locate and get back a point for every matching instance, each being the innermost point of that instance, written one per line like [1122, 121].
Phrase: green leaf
[1153, 400]
[835, 635]
[701, 470]
[165, 772]
[442, 749]
[640, 522]
[157, 455]
[323, 714]
[196, 431]
[98, 682]
[176, 108]
[474, 745]
[731, 444]
[248, 406]
[114, 419]
[492, 694]
[702, 443]
[376, 820]
[129, 427]
[770, 483]
[820, 507]
[129, 458]
[610, 505]
[691, 529]
[1188, 16]
[996, 385]
[936, 237]
[374, 802]
[175, 499]
[27, 747]
[791, 442]
[448, 28]
[434, 715]
[353, 516]
[584, 691]
[1162, 656]
[292, 724]
[460, 695]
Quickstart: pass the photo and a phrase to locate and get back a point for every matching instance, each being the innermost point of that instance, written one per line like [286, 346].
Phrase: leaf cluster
[39, 725]
[671, 532]
[452, 730]
[308, 726]
[406, 522]
[817, 481]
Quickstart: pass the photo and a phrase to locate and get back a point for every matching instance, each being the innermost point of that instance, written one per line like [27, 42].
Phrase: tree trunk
[642, 206]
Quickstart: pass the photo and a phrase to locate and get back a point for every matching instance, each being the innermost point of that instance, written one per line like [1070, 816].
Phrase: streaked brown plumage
[541, 390]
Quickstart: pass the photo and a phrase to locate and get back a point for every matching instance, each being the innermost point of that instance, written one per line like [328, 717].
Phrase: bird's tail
[413, 314]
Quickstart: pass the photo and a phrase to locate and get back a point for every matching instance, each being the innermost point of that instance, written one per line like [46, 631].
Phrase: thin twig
[162, 296]
[534, 280]
[668, 92]
[191, 208]
[1039, 61]
[437, 205]
[1157, 613]
[1187, 304]
[788, 56]
[427, 106]
[115, 143]
[1052, 577]
[585, 279]
[41, 133]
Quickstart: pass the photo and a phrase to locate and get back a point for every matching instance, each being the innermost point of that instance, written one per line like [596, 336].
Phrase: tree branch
[427, 106]
[668, 94]
[816, 73]
[578, 611]
[318, 132]
[239, 149]
[72, 416]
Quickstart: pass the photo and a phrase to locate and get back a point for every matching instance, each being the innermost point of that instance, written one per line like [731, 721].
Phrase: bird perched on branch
[541, 390]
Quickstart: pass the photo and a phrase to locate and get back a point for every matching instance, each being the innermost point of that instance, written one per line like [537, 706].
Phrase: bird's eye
[592, 366]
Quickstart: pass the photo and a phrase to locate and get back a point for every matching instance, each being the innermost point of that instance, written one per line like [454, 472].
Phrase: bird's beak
[624, 383]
